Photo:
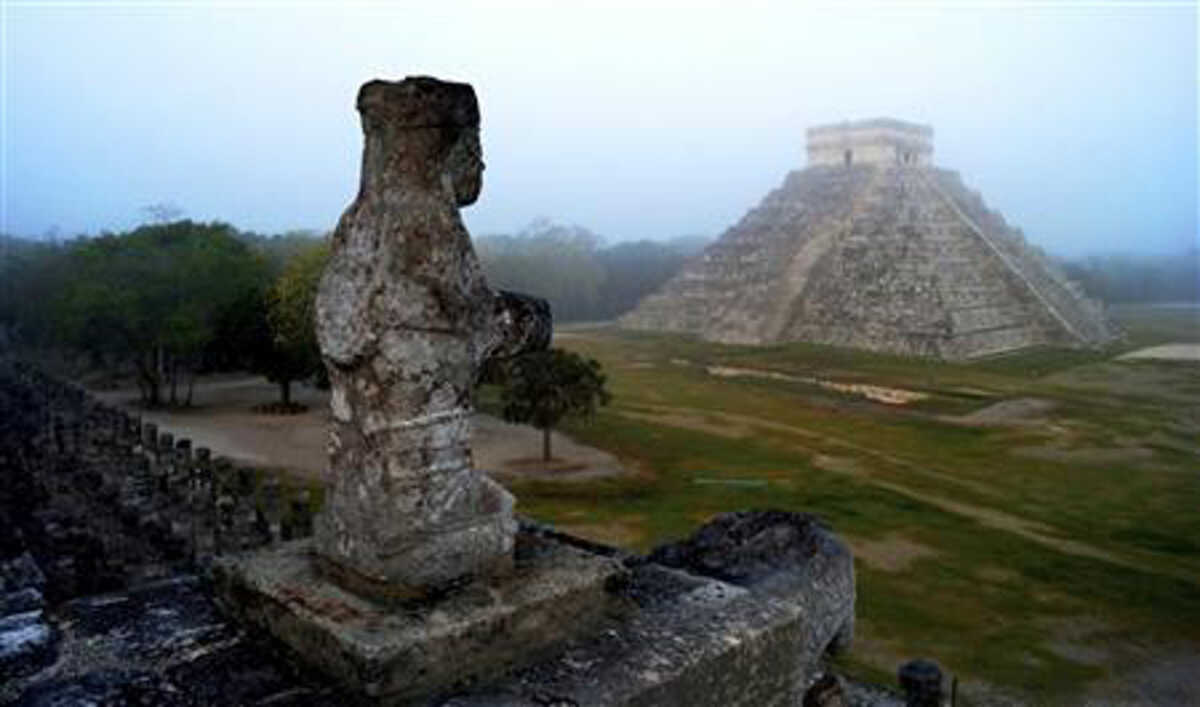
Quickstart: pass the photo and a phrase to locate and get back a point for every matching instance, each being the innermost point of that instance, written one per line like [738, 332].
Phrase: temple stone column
[405, 319]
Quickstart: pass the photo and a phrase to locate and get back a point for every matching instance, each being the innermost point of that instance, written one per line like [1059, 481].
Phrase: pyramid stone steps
[1081, 314]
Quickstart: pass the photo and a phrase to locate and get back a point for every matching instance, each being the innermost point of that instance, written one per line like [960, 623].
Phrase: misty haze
[606, 354]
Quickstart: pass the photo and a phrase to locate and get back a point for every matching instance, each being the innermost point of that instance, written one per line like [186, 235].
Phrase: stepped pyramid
[872, 247]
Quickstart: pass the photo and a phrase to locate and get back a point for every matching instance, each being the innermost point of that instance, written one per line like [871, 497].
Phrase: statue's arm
[517, 323]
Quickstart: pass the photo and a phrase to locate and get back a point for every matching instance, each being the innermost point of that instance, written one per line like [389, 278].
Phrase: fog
[1077, 121]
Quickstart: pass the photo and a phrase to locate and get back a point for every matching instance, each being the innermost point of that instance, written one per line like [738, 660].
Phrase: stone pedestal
[408, 650]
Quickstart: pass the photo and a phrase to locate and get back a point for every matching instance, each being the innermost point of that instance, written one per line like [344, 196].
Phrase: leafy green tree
[291, 315]
[543, 387]
[153, 297]
[31, 272]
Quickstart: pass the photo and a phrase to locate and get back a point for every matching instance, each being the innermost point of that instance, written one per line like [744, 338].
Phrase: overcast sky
[1077, 121]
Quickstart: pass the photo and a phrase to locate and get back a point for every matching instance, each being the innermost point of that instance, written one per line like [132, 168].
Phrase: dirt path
[1166, 352]
[738, 426]
[222, 418]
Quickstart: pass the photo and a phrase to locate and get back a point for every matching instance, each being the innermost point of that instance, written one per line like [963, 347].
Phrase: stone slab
[411, 650]
[166, 644]
[27, 644]
[739, 615]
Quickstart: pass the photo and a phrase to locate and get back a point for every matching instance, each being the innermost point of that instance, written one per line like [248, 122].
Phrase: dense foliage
[1139, 278]
[582, 279]
[291, 315]
[164, 302]
[153, 297]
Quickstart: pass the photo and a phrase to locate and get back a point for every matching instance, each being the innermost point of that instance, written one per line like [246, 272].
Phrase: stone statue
[405, 319]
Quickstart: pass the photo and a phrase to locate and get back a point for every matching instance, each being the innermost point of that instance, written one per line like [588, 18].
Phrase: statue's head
[425, 129]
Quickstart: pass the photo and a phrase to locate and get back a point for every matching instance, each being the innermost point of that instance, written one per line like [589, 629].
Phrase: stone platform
[409, 650]
[741, 614]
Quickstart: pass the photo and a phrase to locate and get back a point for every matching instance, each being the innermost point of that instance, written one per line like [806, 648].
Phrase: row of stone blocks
[93, 500]
[189, 504]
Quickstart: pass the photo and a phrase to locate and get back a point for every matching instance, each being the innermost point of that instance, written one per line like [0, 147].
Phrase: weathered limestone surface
[880, 140]
[404, 320]
[886, 256]
[415, 650]
[739, 614]
[686, 638]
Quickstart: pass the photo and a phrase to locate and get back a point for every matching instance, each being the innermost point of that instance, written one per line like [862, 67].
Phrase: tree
[291, 316]
[31, 273]
[543, 387]
[153, 297]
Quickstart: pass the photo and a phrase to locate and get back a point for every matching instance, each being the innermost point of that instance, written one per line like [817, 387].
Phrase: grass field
[1047, 550]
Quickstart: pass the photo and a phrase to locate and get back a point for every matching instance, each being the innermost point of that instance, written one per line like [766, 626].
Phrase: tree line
[581, 277]
[166, 302]
[169, 301]
[1130, 279]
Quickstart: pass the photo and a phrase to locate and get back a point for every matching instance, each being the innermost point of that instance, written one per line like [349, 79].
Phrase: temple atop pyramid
[873, 247]
[875, 141]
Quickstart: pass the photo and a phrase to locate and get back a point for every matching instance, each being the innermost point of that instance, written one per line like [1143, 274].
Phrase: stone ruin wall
[97, 500]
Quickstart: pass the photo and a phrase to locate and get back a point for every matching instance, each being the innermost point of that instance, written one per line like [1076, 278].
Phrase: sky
[1076, 120]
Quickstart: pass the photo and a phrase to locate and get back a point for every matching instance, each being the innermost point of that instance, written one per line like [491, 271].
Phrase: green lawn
[1045, 547]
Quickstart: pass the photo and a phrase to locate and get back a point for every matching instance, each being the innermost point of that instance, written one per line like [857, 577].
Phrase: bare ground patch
[1015, 411]
[619, 534]
[1080, 639]
[891, 553]
[1084, 455]
[504, 448]
[1166, 352]
[878, 393]
[997, 575]
[223, 419]
[1167, 677]
[689, 421]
